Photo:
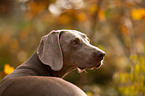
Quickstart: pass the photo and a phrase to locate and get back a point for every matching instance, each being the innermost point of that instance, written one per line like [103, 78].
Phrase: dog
[58, 53]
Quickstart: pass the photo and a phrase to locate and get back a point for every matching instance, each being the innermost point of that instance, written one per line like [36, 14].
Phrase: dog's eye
[75, 42]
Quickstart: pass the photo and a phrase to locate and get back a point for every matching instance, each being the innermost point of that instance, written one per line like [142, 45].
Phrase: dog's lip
[98, 65]
[81, 68]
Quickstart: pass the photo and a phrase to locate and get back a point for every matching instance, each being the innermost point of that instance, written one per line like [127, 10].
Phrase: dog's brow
[84, 35]
[70, 37]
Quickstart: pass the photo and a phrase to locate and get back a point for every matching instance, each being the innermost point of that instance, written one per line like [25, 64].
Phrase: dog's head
[69, 47]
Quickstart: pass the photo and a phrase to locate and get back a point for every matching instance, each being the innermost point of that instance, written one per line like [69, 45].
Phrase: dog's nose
[100, 54]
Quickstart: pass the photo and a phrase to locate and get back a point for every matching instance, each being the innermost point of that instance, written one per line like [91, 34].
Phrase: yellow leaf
[131, 76]
[133, 58]
[142, 79]
[64, 19]
[136, 71]
[101, 15]
[81, 17]
[138, 14]
[89, 94]
[93, 9]
[8, 69]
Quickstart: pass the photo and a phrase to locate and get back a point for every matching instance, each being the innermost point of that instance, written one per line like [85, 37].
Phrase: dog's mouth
[98, 65]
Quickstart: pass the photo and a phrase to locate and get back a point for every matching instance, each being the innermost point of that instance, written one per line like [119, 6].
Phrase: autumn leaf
[81, 17]
[64, 19]
[8, 69]
[89, 94]
[101, 15]
[123, 30]
[138, 14]
[36, 8]
[93, 9]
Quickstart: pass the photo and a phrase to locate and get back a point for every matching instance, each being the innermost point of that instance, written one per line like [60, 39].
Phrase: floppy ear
[49, 50]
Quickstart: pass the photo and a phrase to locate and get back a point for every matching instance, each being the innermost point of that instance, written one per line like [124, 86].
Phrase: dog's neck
[64, 71]
[39, 69]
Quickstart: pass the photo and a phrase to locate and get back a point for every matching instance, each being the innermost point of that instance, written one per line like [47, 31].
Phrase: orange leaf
[123, 30]
[81, 17]
[93, 9]
[101, 15]
[8, 69]
[64, 19]
[138, 14]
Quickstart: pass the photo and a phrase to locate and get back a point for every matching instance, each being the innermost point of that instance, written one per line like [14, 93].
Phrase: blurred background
[115, 26]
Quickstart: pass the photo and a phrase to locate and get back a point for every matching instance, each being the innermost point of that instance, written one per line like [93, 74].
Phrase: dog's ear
[49, 50]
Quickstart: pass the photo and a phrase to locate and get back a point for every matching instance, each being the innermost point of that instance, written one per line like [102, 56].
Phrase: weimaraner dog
[59, 52]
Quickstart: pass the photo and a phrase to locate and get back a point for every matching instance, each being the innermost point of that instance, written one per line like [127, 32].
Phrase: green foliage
[132, 83]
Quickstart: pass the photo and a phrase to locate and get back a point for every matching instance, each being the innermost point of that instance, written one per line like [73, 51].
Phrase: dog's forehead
[77, 33]
[74, 33]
